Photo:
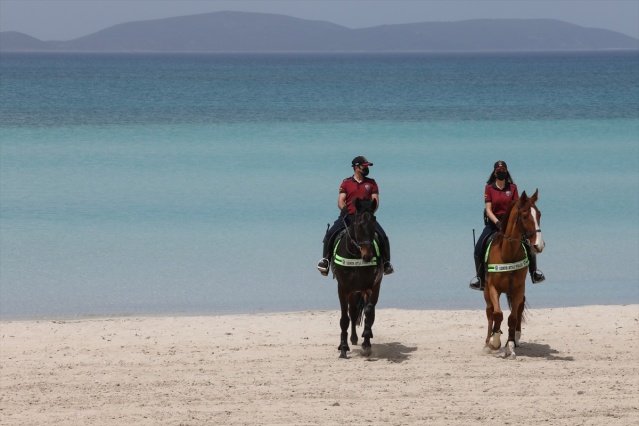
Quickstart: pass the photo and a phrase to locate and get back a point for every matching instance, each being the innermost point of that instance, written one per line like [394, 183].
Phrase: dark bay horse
[507, 266]
[358, 268]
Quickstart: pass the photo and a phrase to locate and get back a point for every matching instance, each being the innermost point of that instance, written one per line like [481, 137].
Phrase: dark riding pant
[480, 247]
[385, 244]
[331, 233]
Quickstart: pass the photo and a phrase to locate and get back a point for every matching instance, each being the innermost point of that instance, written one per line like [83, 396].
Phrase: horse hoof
[343, 355]
[366, 351]
[495, 341]
[510, 350]
[354, 340]
[487, 349]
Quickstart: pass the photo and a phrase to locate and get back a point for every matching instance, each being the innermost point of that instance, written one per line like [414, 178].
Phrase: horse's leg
[494, 334]
[369, 312]
[516, 300]
[369, 319]
[353, 312]
[489, 318]
[520, 319]
[343, 322]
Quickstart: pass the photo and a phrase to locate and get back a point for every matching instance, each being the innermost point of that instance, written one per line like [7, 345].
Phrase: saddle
[485, 245]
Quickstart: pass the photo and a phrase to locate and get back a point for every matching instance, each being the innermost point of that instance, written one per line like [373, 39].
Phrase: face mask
[501, 175]
[365, 171]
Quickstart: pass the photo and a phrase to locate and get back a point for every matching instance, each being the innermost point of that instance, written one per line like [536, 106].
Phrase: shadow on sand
[537, 350]
[392, 352]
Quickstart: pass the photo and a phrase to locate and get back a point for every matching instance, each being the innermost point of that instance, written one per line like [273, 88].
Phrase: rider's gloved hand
[498, 224]
[344, 212]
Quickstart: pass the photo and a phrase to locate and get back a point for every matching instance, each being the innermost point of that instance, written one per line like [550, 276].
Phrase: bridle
[525, 236]
[358, 244]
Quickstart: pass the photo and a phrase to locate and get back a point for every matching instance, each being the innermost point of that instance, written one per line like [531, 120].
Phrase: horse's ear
[535, 196]
[523, 198]
[358, 204]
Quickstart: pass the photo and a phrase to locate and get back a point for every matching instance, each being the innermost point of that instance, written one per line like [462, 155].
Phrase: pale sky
[69, 19]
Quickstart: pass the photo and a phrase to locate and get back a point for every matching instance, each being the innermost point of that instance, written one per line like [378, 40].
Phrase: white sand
[576, 366]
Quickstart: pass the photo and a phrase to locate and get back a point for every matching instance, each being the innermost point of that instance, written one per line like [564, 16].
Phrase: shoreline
[575, 366]
[151, 315]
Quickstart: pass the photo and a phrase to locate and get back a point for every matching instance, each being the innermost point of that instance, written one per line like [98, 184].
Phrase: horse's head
[363, 226]
[530, 218]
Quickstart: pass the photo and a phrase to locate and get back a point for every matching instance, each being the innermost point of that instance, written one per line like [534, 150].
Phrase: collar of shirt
[498, 188]
[359, 183]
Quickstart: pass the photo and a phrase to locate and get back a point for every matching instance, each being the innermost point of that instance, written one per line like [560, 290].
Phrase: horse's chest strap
[506, 267]
[343, 261]
[338, 260]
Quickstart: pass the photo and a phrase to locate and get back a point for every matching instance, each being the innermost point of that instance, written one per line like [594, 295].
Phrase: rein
[357, 243]
[348, 234]
[342, 261]
[525, 241]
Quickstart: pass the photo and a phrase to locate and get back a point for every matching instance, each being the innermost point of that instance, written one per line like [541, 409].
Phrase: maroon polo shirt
[500, 198]
[354, 189]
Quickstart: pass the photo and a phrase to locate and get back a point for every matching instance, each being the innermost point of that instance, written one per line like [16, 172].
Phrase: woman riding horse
[500, 191]
[507, 259]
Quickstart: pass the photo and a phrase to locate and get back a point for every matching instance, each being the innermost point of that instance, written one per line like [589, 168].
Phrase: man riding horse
[362, 187]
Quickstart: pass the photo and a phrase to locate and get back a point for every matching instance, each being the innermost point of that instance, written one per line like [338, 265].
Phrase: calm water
[198, 184]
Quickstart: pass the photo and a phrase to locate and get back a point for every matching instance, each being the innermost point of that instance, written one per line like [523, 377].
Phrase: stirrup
[388, 268]
[477, 285]
[322, 266]
[537, 277]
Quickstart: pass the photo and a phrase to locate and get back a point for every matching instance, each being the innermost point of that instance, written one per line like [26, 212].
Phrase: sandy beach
[576, 366]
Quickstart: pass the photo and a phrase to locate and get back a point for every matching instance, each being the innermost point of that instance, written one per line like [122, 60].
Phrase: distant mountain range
[260, 32]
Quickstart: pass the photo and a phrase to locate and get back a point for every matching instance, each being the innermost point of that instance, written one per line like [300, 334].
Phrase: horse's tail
[360, 303]
[526, 307]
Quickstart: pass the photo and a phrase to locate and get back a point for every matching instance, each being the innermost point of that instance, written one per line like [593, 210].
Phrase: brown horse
[358, 268]
[507, 266]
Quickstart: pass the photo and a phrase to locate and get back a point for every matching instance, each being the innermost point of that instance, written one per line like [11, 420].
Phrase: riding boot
[323, 265]
[388, 268]
[536, 275]
[480, 267]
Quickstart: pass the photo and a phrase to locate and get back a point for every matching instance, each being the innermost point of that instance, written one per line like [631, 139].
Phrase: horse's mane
[366, 206]
[504, 221]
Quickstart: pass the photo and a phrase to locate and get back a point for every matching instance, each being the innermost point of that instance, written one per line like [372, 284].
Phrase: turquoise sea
[184, 184]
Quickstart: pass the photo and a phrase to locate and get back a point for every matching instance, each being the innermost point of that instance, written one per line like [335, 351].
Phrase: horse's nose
[367, 253]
